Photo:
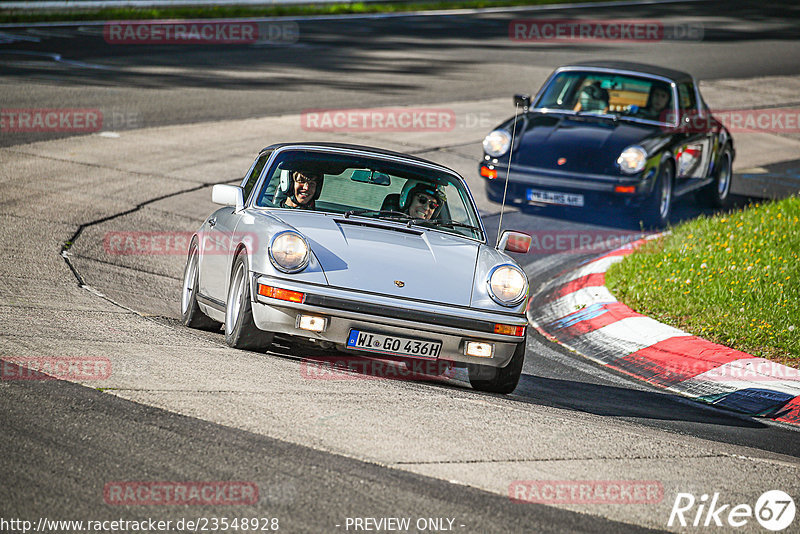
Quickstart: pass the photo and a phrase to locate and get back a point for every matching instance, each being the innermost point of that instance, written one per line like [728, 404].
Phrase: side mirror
[523, 101]
[515, 242]
[228, 195]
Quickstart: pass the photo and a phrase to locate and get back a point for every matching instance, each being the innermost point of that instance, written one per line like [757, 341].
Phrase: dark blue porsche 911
[637, 135]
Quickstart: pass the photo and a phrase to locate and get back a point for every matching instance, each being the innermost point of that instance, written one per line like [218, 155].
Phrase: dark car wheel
[191, 315]
[657, 207]
[498, 379]
[240, 330]
[718, 193]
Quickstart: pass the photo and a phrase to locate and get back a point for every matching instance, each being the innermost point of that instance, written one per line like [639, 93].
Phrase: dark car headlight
[632, 159]
[289, 252]
[497, 143]
[507, 285]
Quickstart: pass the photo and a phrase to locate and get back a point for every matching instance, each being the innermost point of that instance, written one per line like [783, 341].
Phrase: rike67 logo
[774, 510]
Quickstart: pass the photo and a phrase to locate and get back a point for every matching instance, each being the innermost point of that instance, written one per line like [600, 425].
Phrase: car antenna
[508, 171]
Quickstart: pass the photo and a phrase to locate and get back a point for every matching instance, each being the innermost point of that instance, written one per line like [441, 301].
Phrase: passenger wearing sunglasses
[424, 201]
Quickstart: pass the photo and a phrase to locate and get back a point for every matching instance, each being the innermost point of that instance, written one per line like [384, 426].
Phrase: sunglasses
[430, 202]
[305, 180]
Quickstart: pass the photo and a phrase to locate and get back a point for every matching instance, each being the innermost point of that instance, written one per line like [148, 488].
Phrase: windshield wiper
[390, 214]
[441, 222]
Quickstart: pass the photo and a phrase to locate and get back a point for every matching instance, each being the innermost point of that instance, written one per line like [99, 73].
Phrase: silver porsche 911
[359, 250]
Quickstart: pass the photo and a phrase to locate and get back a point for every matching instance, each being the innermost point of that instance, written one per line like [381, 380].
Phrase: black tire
[718, 192]
[191, 314]
[240, 330]
[498, 379]
[657, 207]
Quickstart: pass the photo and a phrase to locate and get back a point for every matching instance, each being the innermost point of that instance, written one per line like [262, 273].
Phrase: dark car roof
[374, 150]
[676, 75]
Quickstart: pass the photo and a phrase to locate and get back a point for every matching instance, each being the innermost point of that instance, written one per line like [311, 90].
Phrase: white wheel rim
[666, 193]
[188, 281]
[235, 297]
[724, 182]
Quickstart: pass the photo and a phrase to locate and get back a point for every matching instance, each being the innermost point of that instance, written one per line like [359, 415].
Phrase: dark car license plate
[395, 345]
[555, 197]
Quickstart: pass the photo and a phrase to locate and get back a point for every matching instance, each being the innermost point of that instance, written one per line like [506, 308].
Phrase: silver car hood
[379, 257]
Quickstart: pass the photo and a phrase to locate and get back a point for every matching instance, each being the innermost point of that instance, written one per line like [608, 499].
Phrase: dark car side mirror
[523, 101]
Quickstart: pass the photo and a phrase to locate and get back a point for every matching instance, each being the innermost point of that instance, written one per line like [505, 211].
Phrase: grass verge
[268, 10]
[733, 279]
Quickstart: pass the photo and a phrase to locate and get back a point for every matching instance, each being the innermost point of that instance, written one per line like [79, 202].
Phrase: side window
[255, 172]
[686, 96]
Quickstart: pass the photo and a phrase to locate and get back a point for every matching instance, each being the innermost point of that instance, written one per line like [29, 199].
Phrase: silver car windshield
[606, 93]
[361, 186]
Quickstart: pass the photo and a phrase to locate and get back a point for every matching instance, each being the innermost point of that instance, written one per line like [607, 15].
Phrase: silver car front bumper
[345, 310]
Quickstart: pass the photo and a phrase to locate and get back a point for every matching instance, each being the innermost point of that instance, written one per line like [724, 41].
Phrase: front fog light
[479, 349]
[311, 322]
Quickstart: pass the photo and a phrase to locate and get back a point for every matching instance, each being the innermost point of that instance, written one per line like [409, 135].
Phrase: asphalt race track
[181, 407]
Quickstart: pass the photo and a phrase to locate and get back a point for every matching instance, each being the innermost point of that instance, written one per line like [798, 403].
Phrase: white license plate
[395, 345]
[554, 197]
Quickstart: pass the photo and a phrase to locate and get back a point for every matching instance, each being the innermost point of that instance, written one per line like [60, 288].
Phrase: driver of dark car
[302, 188]
[657, 102]
[592, 98]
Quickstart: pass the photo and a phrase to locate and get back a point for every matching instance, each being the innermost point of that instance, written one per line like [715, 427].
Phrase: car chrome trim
[211, 302]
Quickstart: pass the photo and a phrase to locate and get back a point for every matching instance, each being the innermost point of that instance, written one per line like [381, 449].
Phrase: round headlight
[632, 159]
[497, 143]
[288, 252]
[507, 285]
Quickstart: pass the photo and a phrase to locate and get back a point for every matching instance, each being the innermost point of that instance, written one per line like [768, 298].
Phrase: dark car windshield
[606, 93]
[354, 185]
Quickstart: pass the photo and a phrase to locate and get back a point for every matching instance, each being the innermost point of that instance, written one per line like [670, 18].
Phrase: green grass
[268, 10]
[733, 279]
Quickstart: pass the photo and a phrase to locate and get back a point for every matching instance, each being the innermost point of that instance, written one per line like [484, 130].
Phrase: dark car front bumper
[594, 187]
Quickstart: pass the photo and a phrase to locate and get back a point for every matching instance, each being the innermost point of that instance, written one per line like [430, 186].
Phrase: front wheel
[498, 379]
[191, 315]
[241, 331]
[657, 207]
[718, 193]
